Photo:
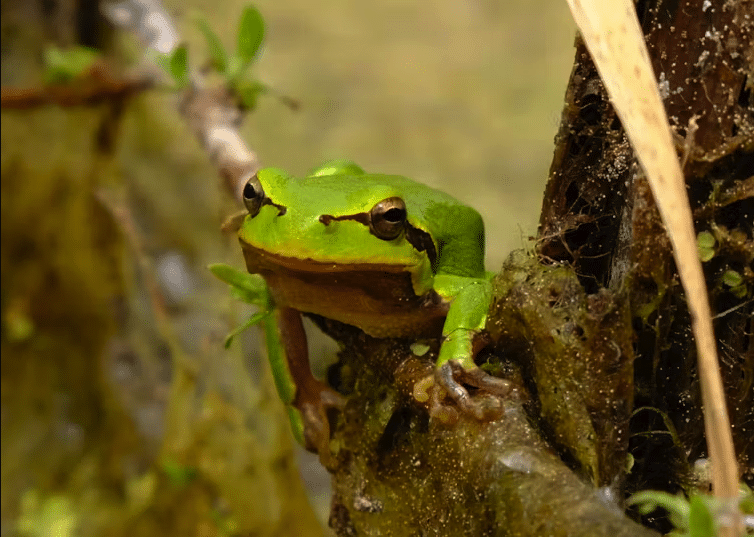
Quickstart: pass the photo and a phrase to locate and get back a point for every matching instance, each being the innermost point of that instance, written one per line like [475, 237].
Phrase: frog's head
[337, 222]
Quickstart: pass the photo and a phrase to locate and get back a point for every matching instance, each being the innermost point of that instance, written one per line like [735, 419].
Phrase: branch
[212, 113]
[93, 88]
[396, 472]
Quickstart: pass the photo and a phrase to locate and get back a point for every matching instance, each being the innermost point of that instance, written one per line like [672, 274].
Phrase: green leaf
[178, 66]
[630, 461]
[251, 321]
[238, 278]
[178, 474]
[705, 243]
[255, 297]
[706, 239]
[647, 501]
[735, 281]
[249, 288]
[250, 34]
[228, 274]
[701, 521]
[235, 68]
[65, 65]
[249, 92]
[747, 499]
[731, 278]
[739, 292]
[705, 254]
[214, 46]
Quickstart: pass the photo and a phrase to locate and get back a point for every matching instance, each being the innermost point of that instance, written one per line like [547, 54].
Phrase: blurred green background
[122, 418]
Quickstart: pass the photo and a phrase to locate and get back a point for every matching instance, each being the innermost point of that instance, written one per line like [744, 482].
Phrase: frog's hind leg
[310, 398]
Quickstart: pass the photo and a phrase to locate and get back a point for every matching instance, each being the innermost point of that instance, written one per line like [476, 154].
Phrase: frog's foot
[313, 405]
[448, 381]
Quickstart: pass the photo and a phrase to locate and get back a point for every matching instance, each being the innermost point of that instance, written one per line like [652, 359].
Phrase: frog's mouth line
[264, 260]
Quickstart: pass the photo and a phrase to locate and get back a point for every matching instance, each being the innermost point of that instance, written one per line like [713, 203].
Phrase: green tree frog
[383, 253]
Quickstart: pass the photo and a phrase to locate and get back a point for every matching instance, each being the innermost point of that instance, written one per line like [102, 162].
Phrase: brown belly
[379, 299]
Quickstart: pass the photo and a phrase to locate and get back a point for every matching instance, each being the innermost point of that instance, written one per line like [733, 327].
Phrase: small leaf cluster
[705, 244]
[731, 280]
[248, 288]
[734, 281]
[693, 517]
[232, 66]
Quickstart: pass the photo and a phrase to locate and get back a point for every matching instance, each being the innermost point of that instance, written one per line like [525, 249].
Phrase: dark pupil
[394, 215]
[248, 192]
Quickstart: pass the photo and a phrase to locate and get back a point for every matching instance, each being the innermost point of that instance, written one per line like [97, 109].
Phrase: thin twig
[93, 88]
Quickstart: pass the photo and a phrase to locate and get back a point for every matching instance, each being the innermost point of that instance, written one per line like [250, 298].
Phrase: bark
[399, 473]
[599, 217]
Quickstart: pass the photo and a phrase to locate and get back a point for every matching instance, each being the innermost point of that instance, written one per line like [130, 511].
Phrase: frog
[383, 253]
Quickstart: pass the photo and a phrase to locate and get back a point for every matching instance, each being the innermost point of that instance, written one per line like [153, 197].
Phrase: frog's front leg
[455, 365]
[307, 398]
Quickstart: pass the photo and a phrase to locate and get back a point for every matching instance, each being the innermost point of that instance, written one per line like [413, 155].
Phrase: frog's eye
[253, 195]
[387, 219]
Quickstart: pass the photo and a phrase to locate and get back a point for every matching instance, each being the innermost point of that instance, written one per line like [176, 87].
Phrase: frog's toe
[484, 406]
[316, 422]
[479, 379]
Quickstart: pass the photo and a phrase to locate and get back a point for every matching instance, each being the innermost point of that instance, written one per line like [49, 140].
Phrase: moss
[576, 353]
[397, 472]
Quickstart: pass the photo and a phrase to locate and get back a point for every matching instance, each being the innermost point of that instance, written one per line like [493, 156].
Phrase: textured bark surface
[396, 472]
[599, 216]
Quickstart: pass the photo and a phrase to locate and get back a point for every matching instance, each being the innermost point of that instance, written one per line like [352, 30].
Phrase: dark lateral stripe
[422, 241]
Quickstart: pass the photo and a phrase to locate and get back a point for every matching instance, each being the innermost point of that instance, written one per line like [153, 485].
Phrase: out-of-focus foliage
[65, 65]
[696, 516]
